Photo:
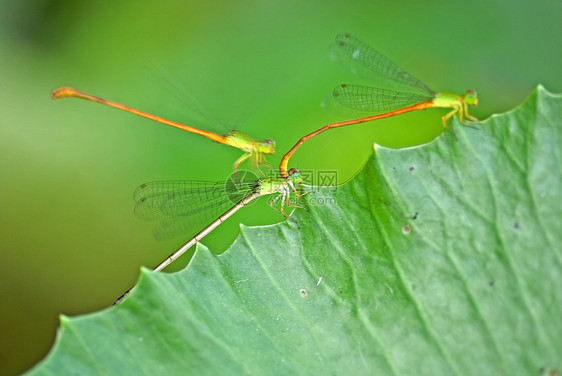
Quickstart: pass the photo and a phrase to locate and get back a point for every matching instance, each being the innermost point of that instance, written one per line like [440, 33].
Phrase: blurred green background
[70, 243]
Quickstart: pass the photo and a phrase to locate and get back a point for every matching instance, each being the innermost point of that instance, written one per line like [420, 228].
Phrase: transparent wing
[374, 100]
[361, 53]
[172, 198]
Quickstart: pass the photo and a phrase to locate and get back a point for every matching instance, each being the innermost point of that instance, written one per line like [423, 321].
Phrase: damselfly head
[471, 98]
[267, 146]
[295, 176]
